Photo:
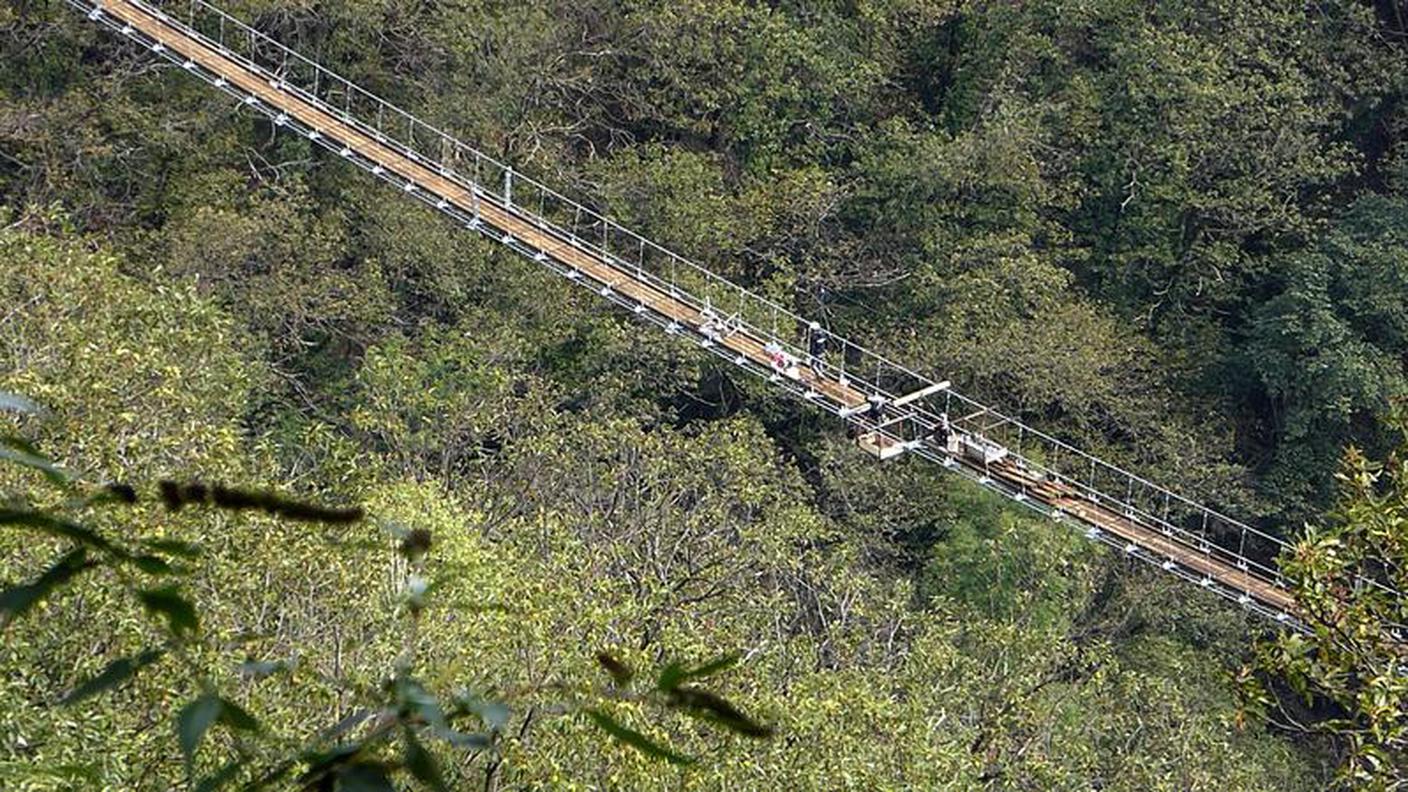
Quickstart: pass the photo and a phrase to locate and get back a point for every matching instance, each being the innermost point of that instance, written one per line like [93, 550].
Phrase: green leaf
[364, 777]
[24, 458]
[620, 673]
[21, 444]
[179, 612]
[237, 717]
[194, 721]
[114, 674]
[461, 739]
[494, 714]
[674, 675]
[172, 547]
[54, 526]
[414, 699]
[258, 669]
[670, 677]
[714, 708]
[347, 724]
[13, 402]
[17, 600]
[322, 766]
[112, 493]
[722, 663]
[420, 763]
[221, 777]
[635, 739]
[275, 773]
[152, 565]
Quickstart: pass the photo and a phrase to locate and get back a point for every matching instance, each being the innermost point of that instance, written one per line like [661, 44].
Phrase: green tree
[1325, 349]
[1348, 574]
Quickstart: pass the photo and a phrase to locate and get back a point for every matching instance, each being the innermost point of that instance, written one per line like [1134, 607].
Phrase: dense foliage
[385, 733]
[1171, 231]
[1358, 654]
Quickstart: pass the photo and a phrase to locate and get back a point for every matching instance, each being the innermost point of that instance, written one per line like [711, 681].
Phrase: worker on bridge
[940, 433]
[712, 327]
[818, 340]
[782, 362]
[879, 408]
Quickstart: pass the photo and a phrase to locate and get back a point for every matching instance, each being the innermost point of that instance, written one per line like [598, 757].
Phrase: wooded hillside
[1173, 232]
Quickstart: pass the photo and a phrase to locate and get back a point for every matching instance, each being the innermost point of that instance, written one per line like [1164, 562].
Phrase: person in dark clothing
[939, 434]
[879, 408]
[818, 340]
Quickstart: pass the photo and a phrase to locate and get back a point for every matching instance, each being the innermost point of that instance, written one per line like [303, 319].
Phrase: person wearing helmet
[817, 342]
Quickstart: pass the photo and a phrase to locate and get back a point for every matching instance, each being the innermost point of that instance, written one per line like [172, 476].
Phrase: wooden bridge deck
[494, 214]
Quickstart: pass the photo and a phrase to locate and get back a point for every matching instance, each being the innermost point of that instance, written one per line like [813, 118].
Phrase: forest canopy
[1174, 233]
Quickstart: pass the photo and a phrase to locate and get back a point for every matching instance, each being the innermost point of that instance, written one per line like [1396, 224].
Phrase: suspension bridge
[890, 409]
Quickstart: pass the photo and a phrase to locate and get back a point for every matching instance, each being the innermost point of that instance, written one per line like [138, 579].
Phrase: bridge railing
[1180, 519]
[1177, 518]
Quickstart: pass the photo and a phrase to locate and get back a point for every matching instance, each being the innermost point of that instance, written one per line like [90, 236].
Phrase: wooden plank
[1189, 557]
[1149, 538]
[921, 393]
